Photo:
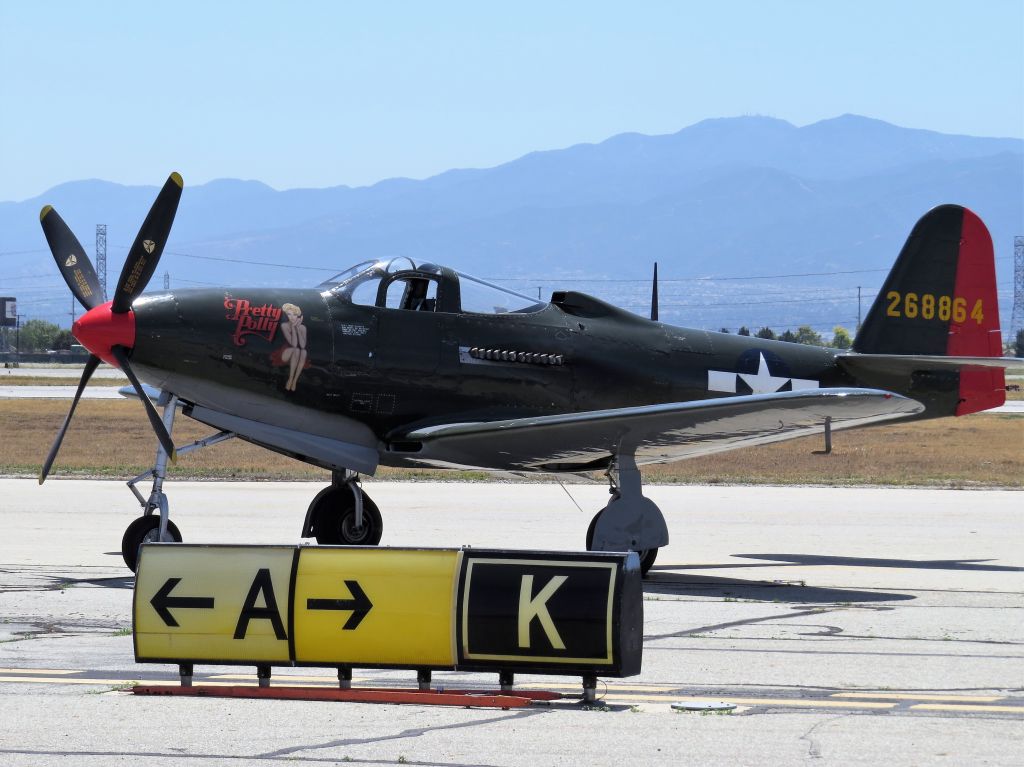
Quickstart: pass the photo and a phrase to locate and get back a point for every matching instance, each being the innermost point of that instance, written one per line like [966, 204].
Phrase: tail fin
[940, 300]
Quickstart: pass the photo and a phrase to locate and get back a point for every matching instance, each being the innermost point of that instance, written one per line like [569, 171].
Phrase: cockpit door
[409, 328]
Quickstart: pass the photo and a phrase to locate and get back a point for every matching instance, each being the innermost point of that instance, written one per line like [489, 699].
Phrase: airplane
[399, 363]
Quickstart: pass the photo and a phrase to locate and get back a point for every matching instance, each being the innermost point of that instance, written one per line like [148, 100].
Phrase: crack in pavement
[415, 732]
[814, 745]
[178, 754]
[731, 624]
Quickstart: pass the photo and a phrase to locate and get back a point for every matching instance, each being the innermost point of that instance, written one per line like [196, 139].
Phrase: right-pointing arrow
[359, 604]
[162, 601]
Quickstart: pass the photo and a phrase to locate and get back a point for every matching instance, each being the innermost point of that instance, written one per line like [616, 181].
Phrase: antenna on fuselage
[654, 295]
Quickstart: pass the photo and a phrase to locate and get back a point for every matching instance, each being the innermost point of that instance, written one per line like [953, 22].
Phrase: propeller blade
[149, 244]
[154, 418]
[75, 266]
[90, 368]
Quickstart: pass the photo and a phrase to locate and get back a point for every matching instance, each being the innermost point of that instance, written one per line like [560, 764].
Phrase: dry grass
[48, 381]
[974, 451]
[113, 438]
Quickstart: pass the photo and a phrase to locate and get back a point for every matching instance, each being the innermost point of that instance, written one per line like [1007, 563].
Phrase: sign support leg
[263, 674]
[589, 689]
[506, 679]
[185, 674]
[345, 677]
[423, 678]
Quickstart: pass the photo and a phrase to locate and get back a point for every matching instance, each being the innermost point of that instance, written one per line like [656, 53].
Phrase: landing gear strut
[343, 515]
[152, 527]
[630, 521]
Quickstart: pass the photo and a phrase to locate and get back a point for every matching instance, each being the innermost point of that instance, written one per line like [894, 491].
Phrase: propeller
[108, 329]
[75, 266]
[148, 246]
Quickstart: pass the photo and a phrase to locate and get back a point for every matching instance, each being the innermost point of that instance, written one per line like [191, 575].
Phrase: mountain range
[738, 198]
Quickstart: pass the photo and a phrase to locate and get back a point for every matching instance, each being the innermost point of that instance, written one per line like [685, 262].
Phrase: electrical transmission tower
[1017, 318]
[101, 257]
[167, 280]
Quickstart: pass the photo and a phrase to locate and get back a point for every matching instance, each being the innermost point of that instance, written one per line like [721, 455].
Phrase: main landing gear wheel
[647, 556]
[333, 515]
[144, 530]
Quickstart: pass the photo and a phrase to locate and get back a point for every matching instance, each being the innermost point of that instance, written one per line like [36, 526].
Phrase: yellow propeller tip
[46, 209]
[42, 479]
[174, 456]
[176, 178]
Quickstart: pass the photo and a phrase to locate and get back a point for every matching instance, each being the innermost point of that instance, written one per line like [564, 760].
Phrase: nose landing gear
[150, 526]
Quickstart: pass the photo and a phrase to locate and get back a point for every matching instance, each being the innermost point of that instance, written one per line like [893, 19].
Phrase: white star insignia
[762, 382]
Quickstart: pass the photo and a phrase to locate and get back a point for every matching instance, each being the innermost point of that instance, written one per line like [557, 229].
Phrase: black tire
[334, 516]
[143, 530]
[647, 557]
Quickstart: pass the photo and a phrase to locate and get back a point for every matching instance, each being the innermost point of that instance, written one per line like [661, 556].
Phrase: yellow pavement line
[38, 671]
[116, 682]
[65, 680]
[983, 709]
[804, 702]
[911, 696]
[279, 678]
[667, 688]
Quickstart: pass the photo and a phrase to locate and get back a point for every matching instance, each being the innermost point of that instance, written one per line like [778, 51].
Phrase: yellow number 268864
[931, 307]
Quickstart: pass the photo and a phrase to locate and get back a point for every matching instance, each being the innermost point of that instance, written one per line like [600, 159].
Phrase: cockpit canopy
[400, 283]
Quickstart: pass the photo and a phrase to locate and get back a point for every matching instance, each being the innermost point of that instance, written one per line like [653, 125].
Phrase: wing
[656, 433]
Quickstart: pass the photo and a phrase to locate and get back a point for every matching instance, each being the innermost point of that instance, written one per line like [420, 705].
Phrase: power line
[333, 270]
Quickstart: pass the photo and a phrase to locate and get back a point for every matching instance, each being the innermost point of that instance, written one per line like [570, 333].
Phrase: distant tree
[723, 330]
[743, 331]
[38, 335]
[63, 340]
[789, 337]
[805, 334]
[766, 333]
[1019, 343]
[841, 338]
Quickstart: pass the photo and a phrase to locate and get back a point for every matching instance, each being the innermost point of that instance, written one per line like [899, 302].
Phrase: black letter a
[261, 583]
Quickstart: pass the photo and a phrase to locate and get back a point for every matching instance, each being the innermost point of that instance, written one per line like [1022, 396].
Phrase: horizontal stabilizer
[979, 383]
[854, 363]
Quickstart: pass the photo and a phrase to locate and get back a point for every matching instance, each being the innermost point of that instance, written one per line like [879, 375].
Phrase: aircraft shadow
[116, 582]
[684, 584]
[910, 564]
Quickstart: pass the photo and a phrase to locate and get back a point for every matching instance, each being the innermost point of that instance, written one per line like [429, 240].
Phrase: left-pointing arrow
[162, 601]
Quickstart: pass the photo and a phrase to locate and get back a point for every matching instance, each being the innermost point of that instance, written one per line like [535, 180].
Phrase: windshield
[359, 285]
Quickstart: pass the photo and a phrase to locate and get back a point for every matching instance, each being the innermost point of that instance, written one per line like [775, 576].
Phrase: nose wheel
[145, 530]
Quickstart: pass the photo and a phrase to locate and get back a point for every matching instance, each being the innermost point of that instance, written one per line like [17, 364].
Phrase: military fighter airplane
[398, 363]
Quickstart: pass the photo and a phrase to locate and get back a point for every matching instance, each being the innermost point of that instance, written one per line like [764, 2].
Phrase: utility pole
[101, 257]
[858, 308]
[167, 280]
[1017, 318]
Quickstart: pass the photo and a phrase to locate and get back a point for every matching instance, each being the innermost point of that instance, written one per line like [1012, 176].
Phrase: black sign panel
[8, 311]
[548, 611]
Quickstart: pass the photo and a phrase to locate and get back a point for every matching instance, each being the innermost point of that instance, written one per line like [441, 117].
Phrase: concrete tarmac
[849, 626]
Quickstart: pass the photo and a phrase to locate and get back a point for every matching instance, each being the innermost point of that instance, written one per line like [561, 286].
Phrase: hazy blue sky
[325, 93]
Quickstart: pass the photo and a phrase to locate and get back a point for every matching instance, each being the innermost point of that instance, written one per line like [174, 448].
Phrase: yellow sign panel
[213, 603]
[375, 606]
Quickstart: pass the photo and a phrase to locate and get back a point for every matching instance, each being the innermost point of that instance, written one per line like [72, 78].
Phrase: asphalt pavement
[847, 626]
